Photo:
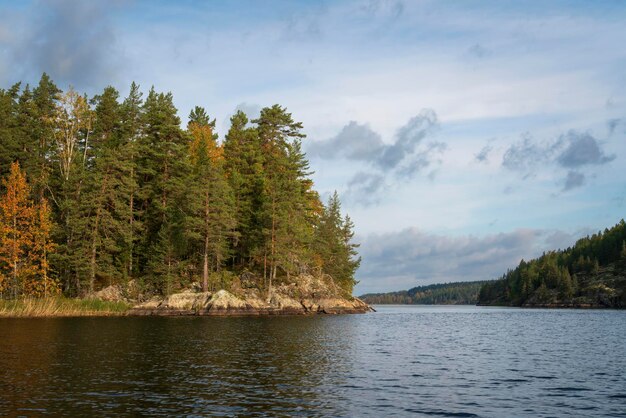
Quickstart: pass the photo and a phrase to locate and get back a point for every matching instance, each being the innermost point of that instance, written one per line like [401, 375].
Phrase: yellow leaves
[204, 145]
[16, 214]
[41, 284]
[24, 239]
[71, 116]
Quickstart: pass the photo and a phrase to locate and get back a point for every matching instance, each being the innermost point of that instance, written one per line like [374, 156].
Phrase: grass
[60, 306]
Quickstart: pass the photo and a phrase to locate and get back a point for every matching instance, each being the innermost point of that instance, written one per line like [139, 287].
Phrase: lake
[414, 360]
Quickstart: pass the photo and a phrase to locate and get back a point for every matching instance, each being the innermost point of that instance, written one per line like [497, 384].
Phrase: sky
[461, 136]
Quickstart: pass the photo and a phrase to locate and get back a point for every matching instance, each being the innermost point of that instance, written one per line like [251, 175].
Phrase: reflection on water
[442, 361]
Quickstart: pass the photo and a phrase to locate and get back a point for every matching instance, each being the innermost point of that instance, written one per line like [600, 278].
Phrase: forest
[591, 273]
[106, 190]
[456, 293]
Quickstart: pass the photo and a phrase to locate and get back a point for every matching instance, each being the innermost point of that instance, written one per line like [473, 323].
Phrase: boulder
[285, 303]
[225, 301]
[110, 294]
[187, 300]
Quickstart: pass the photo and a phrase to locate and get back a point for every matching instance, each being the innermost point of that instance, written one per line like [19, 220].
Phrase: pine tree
[212, 221]
[286, 236]
[132, 195]
[162, 169]
[131, 130]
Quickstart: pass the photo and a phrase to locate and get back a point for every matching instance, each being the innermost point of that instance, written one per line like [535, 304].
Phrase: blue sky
[462, 136]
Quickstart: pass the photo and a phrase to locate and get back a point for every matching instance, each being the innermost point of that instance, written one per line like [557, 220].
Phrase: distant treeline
[591, 273]
[458, 293]
[104, 190]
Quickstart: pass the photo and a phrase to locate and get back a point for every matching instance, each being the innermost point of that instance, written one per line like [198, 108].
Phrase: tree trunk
[205, 271]
[273, 244]
[94, 242]
[92, 266]
[15, 256]
[131, 219]
[45, 270]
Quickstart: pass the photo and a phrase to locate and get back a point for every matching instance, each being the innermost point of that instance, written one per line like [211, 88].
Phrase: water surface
[429, 361]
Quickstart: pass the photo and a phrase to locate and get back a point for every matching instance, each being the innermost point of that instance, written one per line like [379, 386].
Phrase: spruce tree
[243, 165]
[100, 218]
[333, 240]
[9, 141]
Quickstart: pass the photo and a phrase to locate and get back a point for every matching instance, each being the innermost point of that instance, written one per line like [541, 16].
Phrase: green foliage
[244, 170]
[564, 276]
[457, 293]
[135, 197]
[333, 240]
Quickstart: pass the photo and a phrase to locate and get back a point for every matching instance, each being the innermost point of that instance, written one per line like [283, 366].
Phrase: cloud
[612, 125]
[359, 142]
[423, 159]
[574, 179]
[72, 41]
[560, 240]
[365, 188]
[411, 257]
[483, 154]
[402, 159]
[582, 149]
[524, 155]
[408, 138]
[354, 142]
[573, 151]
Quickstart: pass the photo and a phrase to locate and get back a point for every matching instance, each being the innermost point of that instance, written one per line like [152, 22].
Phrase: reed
[60, 306]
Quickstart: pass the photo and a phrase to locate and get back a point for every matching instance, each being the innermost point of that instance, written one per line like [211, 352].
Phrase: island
[108, 206]
[454, 293]
[590, 274]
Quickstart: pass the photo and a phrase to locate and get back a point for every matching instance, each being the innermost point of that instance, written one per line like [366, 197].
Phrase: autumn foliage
[134, 197]
[25, 242]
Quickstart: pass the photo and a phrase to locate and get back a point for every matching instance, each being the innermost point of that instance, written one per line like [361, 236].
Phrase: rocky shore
[306, 295]
[223, 303]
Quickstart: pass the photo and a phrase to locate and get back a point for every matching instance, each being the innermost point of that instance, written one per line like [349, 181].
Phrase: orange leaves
[16, 215]
[40, 283]
[203, 145]
[24, 238]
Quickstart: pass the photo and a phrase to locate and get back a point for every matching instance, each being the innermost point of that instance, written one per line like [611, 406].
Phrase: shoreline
[58, 306]
[219, 304]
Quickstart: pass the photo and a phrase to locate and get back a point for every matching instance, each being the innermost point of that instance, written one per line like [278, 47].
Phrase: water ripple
[428, 361]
